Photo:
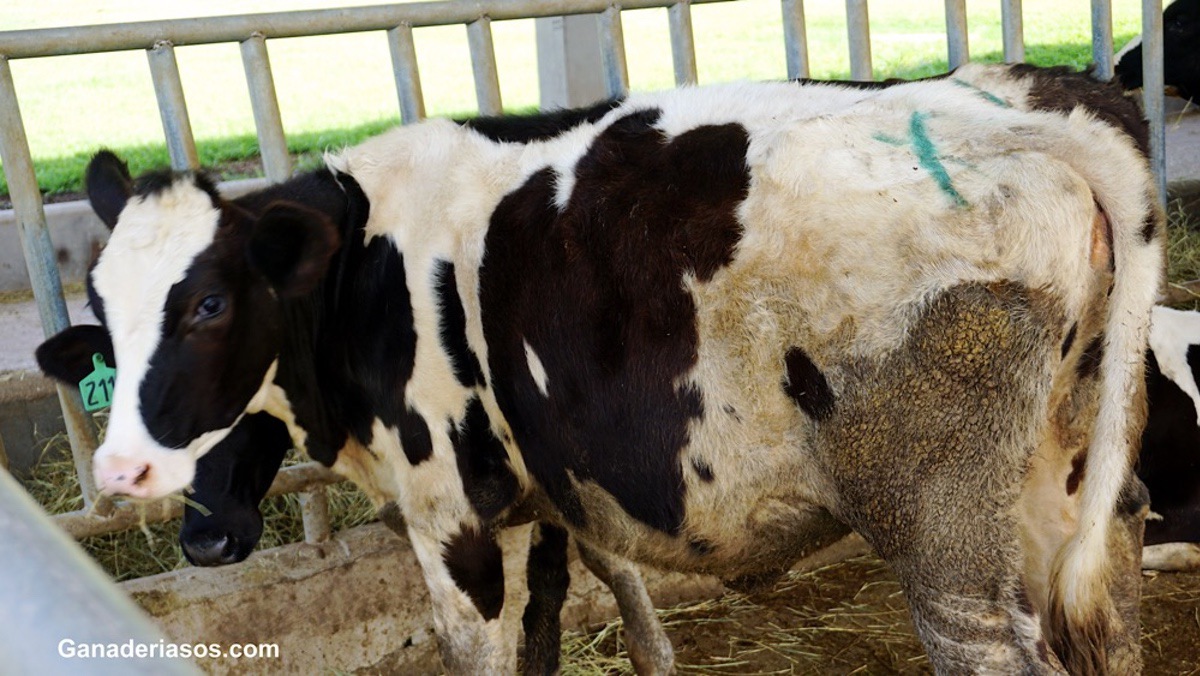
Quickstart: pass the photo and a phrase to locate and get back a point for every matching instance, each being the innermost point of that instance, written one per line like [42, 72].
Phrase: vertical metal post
[314, 513]
[858, 29]
[683, 46]
[43, 267]
[1014, 31]
[408, 76]
[795, 39]
[570, 71]
[958, 51]
[1102, 39]
[168, 88]
[1152, 91]
[483, 63]
[272, 145]
[612, 52]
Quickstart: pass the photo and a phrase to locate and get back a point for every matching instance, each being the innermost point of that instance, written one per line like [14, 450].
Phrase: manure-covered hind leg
[928, 449]
[649, 648]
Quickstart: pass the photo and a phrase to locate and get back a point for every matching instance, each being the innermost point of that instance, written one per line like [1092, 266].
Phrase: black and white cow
[701, 330]
[1181, 52]
[1169, 463]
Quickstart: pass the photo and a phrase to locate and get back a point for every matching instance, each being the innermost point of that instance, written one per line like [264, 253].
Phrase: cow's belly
[761, 511]
[953, 412]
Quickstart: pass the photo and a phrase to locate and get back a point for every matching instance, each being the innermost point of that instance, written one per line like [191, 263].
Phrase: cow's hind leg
[649, 648]
[928, 450]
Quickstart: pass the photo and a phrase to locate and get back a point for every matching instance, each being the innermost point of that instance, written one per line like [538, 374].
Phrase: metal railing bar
[858, 30]
[683, 42]
[83, 438]
[53, 591]
[172, 106]
[957, 47]
[795, 39]
[82, 524]
[612, 53]
[314, 514]
[23, 44]
[277, 164]
[1012, 23]
[1102, 39]
[1152, 91]
[483, 66]
[408, 75]
[42, 263]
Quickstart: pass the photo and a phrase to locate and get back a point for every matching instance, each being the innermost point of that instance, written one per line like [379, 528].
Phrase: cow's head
[225, 523]
[1181, 52]
[189, 290]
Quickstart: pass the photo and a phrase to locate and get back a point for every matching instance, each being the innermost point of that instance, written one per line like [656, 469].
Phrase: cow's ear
[108, 186]
[67, 357]
[291, 245]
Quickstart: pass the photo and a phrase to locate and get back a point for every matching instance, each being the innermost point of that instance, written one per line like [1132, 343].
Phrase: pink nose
[122, 476]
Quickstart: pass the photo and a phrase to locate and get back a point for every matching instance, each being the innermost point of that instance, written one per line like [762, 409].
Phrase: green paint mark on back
[890, 140]
[928, 157]
[988, 96]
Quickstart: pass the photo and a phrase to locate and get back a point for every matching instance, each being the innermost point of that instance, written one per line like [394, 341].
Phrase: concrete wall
[78, 236]
[29, 415]
[355, 604]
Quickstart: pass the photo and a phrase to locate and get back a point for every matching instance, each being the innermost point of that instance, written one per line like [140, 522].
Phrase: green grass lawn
[336, 90]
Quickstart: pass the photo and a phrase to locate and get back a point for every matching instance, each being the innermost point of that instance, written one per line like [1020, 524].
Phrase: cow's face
[189, 290]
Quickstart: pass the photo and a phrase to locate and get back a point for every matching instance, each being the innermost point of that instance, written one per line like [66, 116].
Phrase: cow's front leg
[474, 579]
[548, 580]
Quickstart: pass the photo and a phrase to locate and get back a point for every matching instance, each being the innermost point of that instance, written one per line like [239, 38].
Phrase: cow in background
[222, 521]
[1170, 458]
[1181, 52]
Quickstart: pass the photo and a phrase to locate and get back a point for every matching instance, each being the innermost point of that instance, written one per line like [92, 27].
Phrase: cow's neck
[350, 346]
[313, 390]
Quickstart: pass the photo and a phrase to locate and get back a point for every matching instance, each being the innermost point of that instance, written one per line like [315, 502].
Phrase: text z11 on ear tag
[97, 388]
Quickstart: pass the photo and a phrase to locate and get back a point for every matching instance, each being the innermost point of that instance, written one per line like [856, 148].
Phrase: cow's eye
[210, 306]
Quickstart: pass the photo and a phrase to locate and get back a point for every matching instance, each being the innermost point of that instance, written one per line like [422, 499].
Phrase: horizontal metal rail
[25, 44]
[81, 524]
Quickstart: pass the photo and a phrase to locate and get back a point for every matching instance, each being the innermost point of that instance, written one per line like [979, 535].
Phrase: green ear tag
[97, 388]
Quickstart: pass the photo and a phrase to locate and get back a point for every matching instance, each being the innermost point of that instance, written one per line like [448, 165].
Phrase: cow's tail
[1082, 614]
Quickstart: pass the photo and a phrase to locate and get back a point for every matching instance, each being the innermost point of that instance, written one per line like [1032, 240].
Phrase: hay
[133, 553]
[1183, 254]
[847, 617]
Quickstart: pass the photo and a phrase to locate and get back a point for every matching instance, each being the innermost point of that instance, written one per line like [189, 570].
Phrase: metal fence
[251, 31]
